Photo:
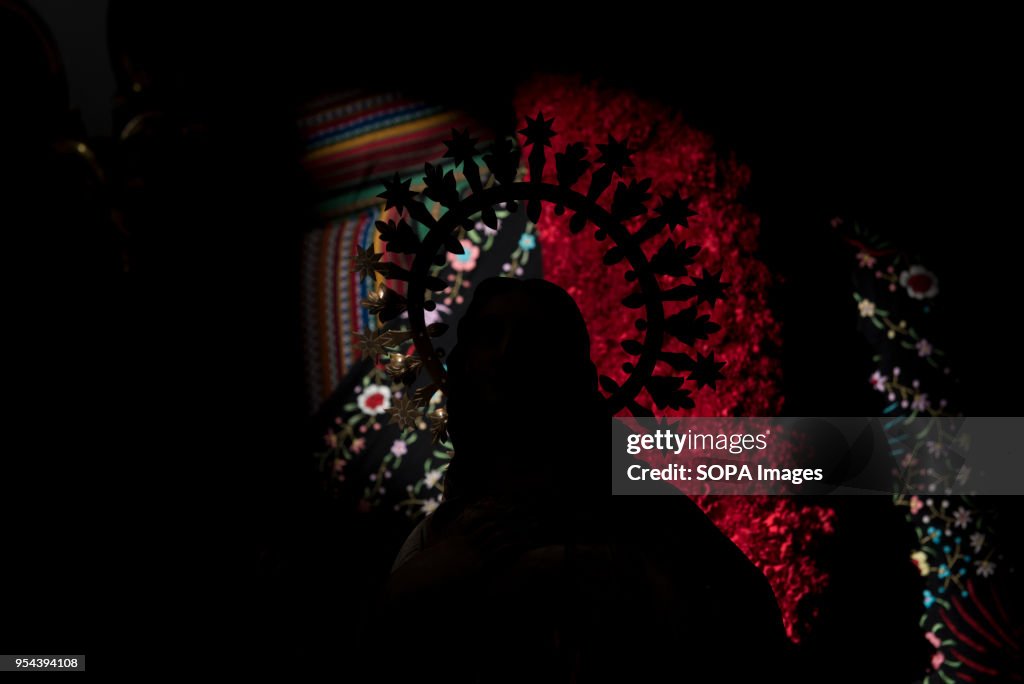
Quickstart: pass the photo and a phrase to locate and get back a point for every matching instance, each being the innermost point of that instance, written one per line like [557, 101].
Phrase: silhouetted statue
[530, 570]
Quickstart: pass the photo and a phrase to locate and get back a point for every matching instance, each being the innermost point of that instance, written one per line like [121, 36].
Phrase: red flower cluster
[677, 158]
[777, 534]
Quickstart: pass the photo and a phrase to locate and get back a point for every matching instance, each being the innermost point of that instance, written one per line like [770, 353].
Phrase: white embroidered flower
[986, 568]
[432, 478]
[977, 541]
[920, 282]
[429, 506]
[374, 400]
[866, 308]
[962, 516]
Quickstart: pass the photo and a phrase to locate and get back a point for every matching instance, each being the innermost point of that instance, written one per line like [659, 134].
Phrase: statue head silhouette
[522, 395]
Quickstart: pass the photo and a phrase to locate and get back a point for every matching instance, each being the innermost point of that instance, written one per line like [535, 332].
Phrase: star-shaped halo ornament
[397, 193]
[405, 413]
[676, 211]
[439, 234]
[539, 132]
[368, 263]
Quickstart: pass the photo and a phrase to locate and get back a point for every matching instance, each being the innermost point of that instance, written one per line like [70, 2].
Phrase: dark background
[162, 412]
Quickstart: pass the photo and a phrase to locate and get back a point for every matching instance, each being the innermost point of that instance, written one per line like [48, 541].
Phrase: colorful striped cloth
[331, 293]
[353, 141]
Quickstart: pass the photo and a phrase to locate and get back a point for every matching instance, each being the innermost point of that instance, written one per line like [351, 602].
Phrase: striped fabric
[353, 141]
[331, 294]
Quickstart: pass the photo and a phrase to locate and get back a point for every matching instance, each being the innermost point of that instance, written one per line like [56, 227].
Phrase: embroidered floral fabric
[370, 459]
[377, 465]
[898, 302]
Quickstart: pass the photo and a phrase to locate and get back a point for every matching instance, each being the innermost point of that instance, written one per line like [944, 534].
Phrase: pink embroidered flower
[923, 347]
[357, 445]
[915, 505]
[920, 403]
[866, 260]
[933, 639]
[466, 261]
[486, 229]
[399, 448]
[937, 660]
[374, 400]
[878, 380]
[431, 317]
[866, 308]
[920, 282]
